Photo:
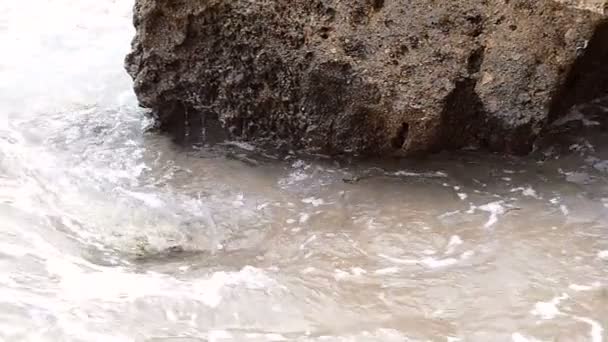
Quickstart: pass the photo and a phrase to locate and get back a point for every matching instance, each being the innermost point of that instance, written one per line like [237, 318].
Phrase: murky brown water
[109, 233]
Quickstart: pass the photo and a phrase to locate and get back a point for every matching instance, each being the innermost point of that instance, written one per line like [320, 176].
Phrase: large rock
[365, 76]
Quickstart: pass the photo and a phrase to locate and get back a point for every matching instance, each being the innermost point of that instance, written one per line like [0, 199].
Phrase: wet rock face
[359, 76]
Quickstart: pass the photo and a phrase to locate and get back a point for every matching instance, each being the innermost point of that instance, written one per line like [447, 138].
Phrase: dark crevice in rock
[476, 24]
[475, 60]
[172, 117]
[463, 111]
[324, 32]
[195, 124]
[580, 107]
[400, 139]
[212, 129]
[517, 141]
[462, 116]
[377, 4]
[187, 126]
[588, 76]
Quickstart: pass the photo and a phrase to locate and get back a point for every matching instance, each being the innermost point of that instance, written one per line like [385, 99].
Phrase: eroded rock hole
[463, 111]
[324, 32]
[400, 139]
[475, 60]
[188, 126]
[330, 13]
[462, 116]
[476, 22]
[377, 4]
[587, 79]
[173, 120]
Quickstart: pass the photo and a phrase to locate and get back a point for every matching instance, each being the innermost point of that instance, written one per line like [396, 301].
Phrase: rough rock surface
[599, 6]
[366, 76]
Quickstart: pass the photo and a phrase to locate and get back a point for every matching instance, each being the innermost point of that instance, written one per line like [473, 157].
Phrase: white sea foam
[495, 209]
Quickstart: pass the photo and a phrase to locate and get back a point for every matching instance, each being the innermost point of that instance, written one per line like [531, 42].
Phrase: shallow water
[110, 233]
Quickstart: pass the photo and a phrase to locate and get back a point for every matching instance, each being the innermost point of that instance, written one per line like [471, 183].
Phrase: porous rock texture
[385, 77]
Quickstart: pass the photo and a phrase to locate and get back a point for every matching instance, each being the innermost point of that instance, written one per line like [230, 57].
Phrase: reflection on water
[109, 233]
